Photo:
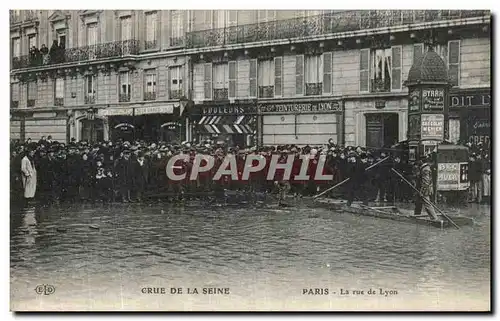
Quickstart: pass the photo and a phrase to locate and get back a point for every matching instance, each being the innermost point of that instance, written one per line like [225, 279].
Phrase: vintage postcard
[250, 160]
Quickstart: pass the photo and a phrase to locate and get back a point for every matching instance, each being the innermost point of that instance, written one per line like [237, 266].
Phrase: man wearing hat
[124, 179]
[425, 187]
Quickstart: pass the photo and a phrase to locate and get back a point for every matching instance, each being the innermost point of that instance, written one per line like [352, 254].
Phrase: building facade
[244, 76]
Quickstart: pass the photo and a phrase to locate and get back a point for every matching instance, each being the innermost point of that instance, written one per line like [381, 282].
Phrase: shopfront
[152, 124]
[235, 124]
[301, 123]
[470, 116]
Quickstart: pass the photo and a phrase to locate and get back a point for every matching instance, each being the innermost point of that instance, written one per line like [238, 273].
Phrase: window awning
[243, 124]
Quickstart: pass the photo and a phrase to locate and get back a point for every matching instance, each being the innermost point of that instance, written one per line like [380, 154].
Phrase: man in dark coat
[358, 179]
[124, 179]
[140, 172]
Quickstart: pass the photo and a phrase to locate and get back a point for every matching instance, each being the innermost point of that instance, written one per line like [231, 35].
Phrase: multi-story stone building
[105, 74]
[251, 76]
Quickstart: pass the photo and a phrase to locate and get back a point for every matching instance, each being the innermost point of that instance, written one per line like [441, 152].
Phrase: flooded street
[101, 257]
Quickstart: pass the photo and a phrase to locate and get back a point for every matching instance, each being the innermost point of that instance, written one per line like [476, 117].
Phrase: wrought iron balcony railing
[89, 99]
[79, 54]
[175, 93]
[343, 21]
[221, 94]
[59, 101]
[14, 104]
[176, 41]
[31, 102]
[314, 89]
[124, 97]
[380, 85]
[150, 44]
[266, 91]
[150, 95]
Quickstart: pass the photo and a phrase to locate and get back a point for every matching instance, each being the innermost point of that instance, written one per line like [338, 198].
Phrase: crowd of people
[121, 171]
[45, 56]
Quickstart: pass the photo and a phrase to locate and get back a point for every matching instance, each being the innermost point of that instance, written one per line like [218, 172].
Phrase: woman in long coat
[29, 174]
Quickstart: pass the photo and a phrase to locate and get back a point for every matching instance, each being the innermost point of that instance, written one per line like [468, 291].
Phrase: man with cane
[425, 186]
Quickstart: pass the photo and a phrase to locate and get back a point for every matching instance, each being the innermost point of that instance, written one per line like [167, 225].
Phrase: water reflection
[114, 250]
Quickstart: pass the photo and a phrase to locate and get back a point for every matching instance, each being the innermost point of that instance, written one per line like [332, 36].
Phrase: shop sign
[228, 110]
[171, 125]
[449, 177]
[414, 100]
[433, 99]
[432, 127]
[461, 100]
[167, 109]
[116, 112]
[312, 107]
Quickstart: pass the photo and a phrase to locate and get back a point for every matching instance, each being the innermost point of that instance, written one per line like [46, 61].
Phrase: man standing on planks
[425, 186]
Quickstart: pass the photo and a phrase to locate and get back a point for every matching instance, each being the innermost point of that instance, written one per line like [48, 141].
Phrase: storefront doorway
[382, 130]
[92, 130]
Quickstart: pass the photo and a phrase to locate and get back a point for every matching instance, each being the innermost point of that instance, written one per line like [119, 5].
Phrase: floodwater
[103, 257]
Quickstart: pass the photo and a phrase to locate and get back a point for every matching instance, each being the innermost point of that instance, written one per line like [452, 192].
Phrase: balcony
[150, 95]
[175, 93]
[124, 97]
[150, 44]
[17, 16]
[380, 85]
[176, 41]
[115, 49]
[59, 101]
[314, 89]
[31, 103]
[344, 21]
[30, 15]
[266, 91]
[221, 94]
[89, 99]
[14, 104]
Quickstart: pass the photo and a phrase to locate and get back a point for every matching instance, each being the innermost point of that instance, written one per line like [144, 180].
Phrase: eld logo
[45, 289]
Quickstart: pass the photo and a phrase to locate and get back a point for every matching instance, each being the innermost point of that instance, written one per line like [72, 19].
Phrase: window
[220, 18]
[253, 78]
[327, 72]
[14, 95]
[125, 88]
[266, 15]
[454, 62]
[384, 69]
[150, 86]
[92, 34]
[151, 32]
[32, 93]
[126, 28]
[314, 75]
[232, 18]
[221, 81]
[265, 75]
[16, 47]
[90, 89]
[177, 27]
[59, 92]
[61, 37]
[176, 91]
[32, 41]
[418, 51]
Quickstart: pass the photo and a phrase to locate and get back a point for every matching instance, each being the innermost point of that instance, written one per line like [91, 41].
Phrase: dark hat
[363, 155]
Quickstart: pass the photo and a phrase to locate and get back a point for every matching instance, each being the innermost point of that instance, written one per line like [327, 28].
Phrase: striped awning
[242, 124]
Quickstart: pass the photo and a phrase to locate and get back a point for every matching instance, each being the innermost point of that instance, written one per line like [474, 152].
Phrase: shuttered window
[418, 51]
[253, 78]
[299, 75]
[454, 62]
[232, 79]
[14, 91]
[151, 32]
[327, 73]
[278, 77]
[396, 68]
[207, 81]
[151, 81]
[364, 70]
[59, 88]
[126, 28]
[16, 47]
[32, 90]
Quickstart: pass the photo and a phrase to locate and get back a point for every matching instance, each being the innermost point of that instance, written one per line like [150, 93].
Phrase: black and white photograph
[277, 160]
